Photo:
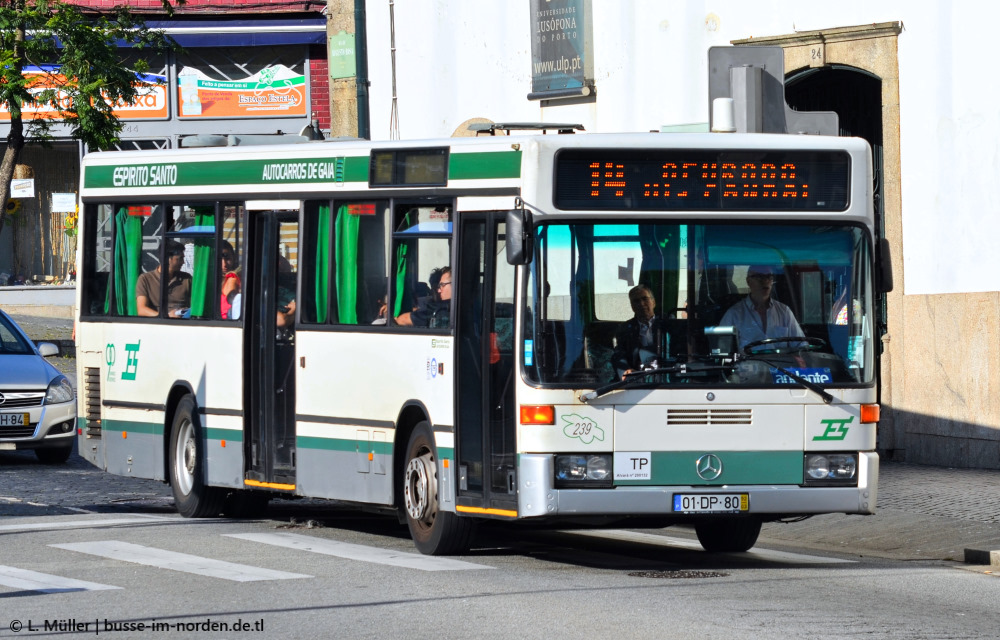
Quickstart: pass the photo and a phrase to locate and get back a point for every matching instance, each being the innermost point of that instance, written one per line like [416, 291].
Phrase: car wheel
[54, 455]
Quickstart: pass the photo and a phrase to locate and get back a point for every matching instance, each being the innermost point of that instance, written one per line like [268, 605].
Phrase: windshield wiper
[635, 378]
[808, 384]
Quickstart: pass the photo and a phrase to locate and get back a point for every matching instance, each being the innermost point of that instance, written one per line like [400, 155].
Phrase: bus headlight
[583, 470]
[831, 468]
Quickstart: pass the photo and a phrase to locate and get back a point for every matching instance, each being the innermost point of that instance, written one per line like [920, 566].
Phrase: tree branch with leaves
[57, 58]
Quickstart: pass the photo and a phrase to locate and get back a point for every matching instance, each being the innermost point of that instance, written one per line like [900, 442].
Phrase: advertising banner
[275, 90]
[559, 38]
[151, 103]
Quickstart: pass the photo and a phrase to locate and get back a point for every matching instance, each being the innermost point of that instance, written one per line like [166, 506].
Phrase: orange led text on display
[704, 179]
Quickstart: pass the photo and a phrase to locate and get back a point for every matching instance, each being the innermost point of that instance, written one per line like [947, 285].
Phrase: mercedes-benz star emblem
[709, 466]
[2, 399]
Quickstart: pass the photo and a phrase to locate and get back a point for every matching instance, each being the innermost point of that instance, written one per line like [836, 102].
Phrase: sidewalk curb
[982, 557]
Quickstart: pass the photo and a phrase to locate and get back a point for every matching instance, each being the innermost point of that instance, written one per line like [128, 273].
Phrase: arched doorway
[856, 96]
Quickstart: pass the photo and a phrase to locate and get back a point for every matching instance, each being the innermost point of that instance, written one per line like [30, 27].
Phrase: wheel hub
[420, 487]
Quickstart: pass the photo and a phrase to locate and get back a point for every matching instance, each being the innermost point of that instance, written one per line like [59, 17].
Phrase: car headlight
[831, 468]
[59, 391]
[583, 470]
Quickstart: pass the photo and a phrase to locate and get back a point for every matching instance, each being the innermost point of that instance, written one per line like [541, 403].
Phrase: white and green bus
[435, 329]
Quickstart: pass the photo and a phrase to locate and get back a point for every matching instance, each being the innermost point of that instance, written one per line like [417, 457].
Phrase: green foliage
[85, 76]
[83, 61]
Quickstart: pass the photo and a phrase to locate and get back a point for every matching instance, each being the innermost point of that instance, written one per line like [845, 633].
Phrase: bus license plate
[14, 420]
[711, 502]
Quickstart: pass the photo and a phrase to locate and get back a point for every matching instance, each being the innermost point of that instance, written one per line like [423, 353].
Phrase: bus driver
[757, 316]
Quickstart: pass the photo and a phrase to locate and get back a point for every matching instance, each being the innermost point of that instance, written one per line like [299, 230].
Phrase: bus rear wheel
[192, 496]
[434, 532]
[734, 535]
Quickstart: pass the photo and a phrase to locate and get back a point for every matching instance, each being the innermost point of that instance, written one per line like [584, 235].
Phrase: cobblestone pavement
[922, 512]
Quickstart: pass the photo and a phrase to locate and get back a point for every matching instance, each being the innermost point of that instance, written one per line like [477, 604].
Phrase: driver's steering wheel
[811, 344]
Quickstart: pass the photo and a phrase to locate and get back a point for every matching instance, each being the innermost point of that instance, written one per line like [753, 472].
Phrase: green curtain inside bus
[204, 264]
[401, 293]
[127, 257]
[322, 280]
[346, 231]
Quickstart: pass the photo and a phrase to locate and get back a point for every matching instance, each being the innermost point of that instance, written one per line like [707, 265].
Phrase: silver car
[37, 403]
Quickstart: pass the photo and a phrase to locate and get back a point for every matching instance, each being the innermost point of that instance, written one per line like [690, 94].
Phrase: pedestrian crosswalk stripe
[70, 524]
[175, 561]
[44, 582]
[359, 552]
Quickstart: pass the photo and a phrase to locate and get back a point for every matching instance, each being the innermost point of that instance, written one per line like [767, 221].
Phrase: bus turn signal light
[869, 413]
[542, 414]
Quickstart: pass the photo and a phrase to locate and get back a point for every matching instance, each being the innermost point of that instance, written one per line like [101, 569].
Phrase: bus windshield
[701, 304]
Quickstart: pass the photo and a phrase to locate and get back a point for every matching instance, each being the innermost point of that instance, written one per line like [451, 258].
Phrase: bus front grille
[709, 416]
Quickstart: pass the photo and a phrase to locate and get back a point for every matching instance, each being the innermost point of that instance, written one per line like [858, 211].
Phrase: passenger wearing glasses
[435, 310]
[757, 316]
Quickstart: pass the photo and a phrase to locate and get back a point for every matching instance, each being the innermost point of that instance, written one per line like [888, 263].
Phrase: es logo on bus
[836, 428]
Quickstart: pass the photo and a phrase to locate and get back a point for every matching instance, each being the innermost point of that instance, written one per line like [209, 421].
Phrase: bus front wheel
[192, 496]
[434, 532]
[728, 535]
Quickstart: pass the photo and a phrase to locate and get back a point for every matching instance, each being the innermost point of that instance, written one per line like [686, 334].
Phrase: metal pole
[361, 48]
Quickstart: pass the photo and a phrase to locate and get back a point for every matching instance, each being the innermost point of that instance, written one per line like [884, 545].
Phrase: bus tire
[732, 535]
[434, 532]
[192, 496]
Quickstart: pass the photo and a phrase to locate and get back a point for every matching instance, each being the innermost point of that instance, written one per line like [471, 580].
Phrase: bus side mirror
[884, 266]
[520, 237]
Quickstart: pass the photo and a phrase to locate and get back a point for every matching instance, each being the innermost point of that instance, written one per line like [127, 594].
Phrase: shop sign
[274, 90]
[22, 188]
[343, 63]
[150, 103]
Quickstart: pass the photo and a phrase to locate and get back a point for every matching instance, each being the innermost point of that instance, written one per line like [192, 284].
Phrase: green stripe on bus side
[339, 444]
[484, 165]
[671, 468]
[132, 426]
[491, 165]
[233, 172]
[232, 435]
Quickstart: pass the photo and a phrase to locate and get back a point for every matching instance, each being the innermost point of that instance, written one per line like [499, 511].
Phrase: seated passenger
[757, 316]
[642, 338]
[435, 310]
[231, 283]
[147, 287]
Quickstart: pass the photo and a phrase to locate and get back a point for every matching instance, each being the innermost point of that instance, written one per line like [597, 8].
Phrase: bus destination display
[677, 179]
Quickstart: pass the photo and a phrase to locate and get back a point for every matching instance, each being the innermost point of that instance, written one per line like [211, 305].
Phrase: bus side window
[344, 269]
[95, 279]
[136, 239]
[421, 271]
[231, 262]
[190, 286]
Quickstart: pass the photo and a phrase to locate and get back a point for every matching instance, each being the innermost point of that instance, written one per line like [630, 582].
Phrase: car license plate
[711, 502]
[14, 420]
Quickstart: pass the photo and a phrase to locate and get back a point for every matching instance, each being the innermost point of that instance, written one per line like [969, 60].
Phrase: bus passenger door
[270, 350]
[484, 360]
